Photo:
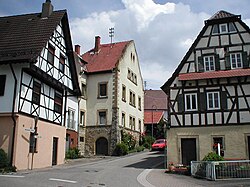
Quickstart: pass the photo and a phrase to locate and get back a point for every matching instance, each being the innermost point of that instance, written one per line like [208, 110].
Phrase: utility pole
[111, 34]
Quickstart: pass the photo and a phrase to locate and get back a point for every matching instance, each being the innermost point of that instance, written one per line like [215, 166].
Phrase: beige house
[38, 88]
[209, 94]
[114, 96]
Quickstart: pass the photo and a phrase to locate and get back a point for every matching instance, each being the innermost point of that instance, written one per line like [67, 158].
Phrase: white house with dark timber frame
[210, 93]
[38, 87]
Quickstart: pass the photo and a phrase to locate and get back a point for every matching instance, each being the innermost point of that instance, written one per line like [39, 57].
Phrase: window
[84, 95]
[130, 121]
[102, 118]
[58, 102]
[132, 98]
[124, 93]
[236, 60]
[71, 119]
[82, 118]
[209, 63]
[2, 84]
[218, 140]
[36, 92]
[50, 55]
[215, 29]
[139, 122]
[33, 143]
[81, 139]
[213, 100]
[223, 28]
[133, 127]
[62, 63]
[139, 102]
[190, 102]
[123, 119]
[102, 90]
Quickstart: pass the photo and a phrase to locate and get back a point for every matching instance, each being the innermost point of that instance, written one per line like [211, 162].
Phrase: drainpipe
[13, 116]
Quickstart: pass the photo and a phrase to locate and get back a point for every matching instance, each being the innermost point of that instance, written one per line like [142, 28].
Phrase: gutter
[13, 115]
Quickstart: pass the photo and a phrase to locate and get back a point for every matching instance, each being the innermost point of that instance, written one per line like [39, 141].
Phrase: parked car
[159, 144]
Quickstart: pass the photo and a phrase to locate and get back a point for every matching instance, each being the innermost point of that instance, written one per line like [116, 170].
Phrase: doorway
[188, 150]
[101, 146]
[54, 151]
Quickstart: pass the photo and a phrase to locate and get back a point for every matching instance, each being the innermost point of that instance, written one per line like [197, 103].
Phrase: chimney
[47, 9]
[78, 49]
[97, 44]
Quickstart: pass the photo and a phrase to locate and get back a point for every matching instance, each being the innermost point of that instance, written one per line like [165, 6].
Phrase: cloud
[162, 34]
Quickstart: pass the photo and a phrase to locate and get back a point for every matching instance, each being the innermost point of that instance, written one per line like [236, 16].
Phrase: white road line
[142, 178]
[13, 176]
[62, 180]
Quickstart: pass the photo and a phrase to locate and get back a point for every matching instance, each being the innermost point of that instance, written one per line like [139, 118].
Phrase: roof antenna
[111, 33]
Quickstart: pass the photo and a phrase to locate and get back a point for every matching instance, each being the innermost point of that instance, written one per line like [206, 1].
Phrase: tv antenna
[111, 33]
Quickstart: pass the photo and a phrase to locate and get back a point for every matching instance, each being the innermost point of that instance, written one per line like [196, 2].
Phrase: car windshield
[159, 141]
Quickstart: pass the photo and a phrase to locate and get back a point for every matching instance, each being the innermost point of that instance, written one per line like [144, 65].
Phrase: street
[136, 170]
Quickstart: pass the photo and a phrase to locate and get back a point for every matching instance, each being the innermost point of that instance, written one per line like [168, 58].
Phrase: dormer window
[223, 28]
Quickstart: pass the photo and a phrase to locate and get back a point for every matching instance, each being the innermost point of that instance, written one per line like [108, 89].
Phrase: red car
[159, 144]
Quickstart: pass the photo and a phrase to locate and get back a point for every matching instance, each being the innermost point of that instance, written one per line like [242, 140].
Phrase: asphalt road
[136, 170]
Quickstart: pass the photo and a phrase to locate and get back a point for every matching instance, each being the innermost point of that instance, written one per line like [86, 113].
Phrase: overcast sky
[162, 30]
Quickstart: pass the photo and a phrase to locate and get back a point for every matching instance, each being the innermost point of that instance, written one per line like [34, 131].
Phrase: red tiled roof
[107, 57]
[156, 115]
[221, 14]
[156, 98]
[214, 74]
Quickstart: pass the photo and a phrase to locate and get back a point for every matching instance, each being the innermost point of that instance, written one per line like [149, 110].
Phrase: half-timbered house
[38, 88]
[210, 93]
[114, 96]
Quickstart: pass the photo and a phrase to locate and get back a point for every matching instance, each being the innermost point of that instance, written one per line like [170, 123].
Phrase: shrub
[121, 149]
[139, 148]
[3, 159]
[212, 157]
[129, 140]
[73, 153]
[147, 141]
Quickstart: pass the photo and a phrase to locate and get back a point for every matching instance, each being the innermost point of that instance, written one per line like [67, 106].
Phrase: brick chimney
[78, 49]
[47, 9]
[97, 44]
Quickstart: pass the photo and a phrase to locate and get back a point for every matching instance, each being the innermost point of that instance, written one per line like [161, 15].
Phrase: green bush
[147, 141]
[140, 148]
[212, 157]
[73, 153]
[3, 159]
[129, 140]
[121, 149]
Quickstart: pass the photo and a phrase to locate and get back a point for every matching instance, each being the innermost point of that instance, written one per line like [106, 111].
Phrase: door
[54, 151]
[188, 150]
[101, 146]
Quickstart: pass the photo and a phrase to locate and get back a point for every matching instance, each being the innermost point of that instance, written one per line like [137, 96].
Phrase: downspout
[65, 108]
[13, 116]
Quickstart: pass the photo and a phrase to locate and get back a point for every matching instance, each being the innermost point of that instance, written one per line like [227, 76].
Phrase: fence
[216, 170]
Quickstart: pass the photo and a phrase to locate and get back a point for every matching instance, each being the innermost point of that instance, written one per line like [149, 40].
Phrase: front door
[102, 146]
[54, 151]
[188, 150]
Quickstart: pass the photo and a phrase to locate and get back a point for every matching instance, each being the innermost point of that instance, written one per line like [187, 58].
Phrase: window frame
[139, 102]
[214, 103]
[58, 102]
[99, 118]
[71, 118]
[51, 54]
[123, 120]
[191, 103]
[62, 60]
[236, 60]
[36, 92]
[124, 90]
[221, 28]
[82, 118]
[207, 63]
[84, 91]
[100, 84]
[214, 142]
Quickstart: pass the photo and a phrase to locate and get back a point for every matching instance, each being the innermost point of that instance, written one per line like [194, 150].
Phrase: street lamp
[152, 126]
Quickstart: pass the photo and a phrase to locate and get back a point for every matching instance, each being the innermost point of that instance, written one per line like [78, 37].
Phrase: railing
[217, 170]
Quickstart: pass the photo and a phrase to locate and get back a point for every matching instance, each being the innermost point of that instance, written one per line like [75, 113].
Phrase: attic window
[50, 55]
[231, 27]
[223, 28]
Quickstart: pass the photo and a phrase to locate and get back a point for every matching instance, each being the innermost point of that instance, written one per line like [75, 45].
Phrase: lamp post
[152, 126]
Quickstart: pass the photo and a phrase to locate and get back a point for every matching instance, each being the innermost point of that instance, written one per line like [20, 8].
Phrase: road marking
[62, 180]
[13, 176]
[142, 178]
